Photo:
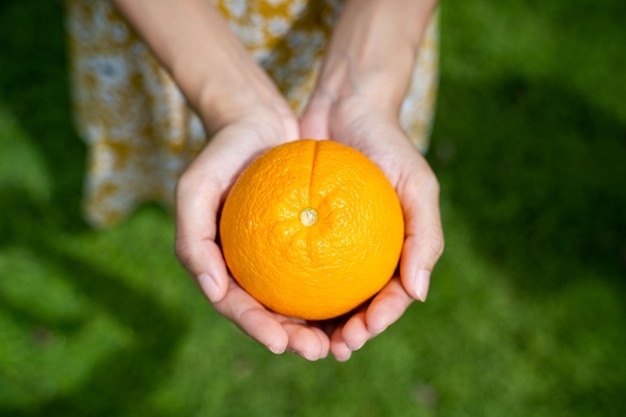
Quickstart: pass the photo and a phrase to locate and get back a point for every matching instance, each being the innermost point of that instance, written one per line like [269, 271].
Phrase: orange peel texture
[312, 229]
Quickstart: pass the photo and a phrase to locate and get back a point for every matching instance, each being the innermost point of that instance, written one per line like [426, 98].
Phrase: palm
[201, 193]
[379, 137]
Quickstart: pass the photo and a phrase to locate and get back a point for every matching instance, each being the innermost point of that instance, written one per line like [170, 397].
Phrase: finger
[338, 346]
[254, 319]
[307, 341]
[424, 240]
[196, 229]
[355, 332]
[208, 258]
[387, 307]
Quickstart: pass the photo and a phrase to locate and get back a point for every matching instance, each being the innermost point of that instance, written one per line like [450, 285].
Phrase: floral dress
[140, 133]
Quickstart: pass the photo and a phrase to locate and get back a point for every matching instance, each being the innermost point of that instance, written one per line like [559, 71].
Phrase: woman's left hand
[376, 133]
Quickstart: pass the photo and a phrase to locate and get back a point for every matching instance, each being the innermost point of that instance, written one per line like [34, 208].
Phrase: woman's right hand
[200, 194]
[244, 114]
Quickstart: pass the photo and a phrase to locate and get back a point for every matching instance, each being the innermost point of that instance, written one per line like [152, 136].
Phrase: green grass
[526, 315]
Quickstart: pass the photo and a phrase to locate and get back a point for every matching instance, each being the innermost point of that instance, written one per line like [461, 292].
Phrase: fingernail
[274, 350]
[210, 286]
[421, 282]
[305, 355]
[377, 330]
[357, 346]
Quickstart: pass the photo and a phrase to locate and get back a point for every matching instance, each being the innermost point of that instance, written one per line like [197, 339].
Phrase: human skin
[365, 75]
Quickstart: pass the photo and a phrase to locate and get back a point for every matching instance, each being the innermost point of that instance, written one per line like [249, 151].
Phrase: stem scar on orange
[312, 229]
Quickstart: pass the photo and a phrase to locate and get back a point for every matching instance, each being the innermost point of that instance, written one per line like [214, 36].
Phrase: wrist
[224, 84]
[373, 51]
[212, 68]
[341, 81]
[221, 81]
[217, 112]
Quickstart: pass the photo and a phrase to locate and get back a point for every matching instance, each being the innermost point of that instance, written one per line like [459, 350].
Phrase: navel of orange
[312, 229]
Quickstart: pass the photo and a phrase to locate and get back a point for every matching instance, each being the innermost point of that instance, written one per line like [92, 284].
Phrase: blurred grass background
[526, 315]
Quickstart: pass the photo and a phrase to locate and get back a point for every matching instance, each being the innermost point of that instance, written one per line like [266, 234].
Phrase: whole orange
[312, 229]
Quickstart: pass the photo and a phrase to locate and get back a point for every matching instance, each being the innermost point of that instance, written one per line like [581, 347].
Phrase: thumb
[196, 231]
[424, 240]
[203, 260]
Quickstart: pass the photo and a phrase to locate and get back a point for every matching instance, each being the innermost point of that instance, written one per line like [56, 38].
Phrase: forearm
[373, 49]
[213, 69]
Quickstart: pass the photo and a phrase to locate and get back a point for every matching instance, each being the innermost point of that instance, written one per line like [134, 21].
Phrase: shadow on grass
[34, 86]
[538, 172]
[536, 175]
[125, 378]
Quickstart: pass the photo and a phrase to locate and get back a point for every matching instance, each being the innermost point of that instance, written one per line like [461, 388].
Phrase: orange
[312, 229]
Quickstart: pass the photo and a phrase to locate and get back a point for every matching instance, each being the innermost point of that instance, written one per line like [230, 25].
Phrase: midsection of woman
[139, 130]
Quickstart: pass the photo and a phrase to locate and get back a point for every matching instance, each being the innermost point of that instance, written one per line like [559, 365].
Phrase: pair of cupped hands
[241, 133]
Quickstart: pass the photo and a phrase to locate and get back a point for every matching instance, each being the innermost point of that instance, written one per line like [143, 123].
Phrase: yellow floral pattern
[140, 133]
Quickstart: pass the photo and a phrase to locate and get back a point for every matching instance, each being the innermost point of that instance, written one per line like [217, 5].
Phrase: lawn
[527, 310]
